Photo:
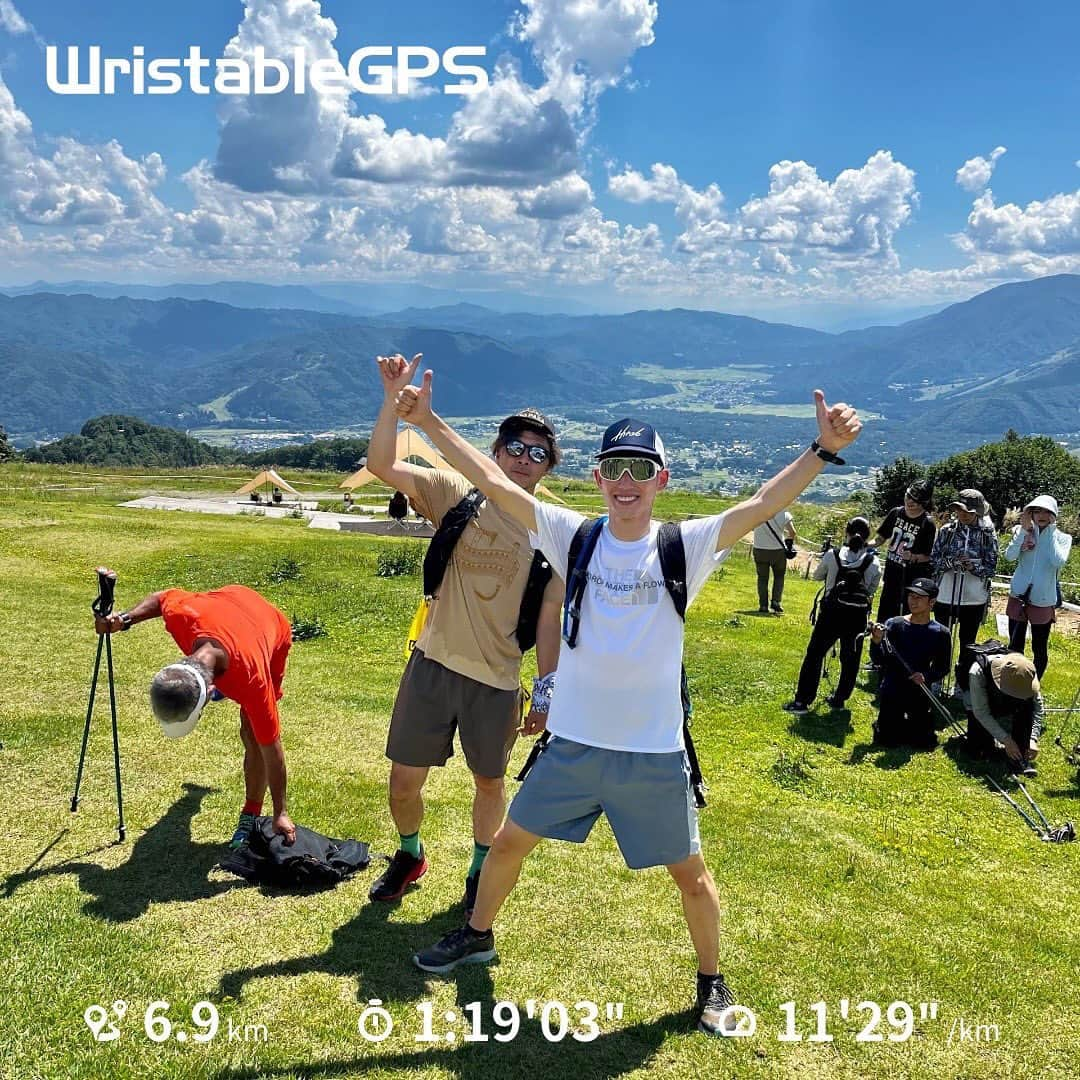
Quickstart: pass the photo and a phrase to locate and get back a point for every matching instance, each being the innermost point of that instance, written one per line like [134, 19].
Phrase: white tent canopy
[267, 478]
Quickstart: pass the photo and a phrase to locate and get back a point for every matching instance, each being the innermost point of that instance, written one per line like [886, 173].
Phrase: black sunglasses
[537, 454]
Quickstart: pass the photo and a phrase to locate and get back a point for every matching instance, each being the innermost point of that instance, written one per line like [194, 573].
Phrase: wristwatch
[126, 621]
[826, 455]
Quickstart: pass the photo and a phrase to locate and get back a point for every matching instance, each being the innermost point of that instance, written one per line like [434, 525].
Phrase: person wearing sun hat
[1040, 551]
[235, 645]
[1005, 701]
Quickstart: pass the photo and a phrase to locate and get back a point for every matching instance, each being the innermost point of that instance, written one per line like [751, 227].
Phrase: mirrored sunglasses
[537, 454]
[639, 468]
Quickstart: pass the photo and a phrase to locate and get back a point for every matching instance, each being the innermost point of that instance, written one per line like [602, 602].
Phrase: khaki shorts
[433, 701]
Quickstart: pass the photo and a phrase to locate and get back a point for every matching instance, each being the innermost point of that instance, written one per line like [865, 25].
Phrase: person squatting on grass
[774, 544]
[464, 673]
[963, 560]
[616, 716]
[235, 645]
[908, 531]
[917, 654]
[1005, 705]
[1041, 551]
[851, 574]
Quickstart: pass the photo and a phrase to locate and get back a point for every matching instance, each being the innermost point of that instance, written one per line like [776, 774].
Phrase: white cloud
[850, 220]
[975, 173]
[564, 197]
[1041, 229]
[664, 186]
[584, 46]
[12, 21]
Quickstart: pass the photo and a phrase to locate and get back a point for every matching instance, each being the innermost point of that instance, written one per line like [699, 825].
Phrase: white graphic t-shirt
[619, 688]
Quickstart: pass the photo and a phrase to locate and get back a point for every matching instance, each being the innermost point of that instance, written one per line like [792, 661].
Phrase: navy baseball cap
[632, 438]
[924, 586]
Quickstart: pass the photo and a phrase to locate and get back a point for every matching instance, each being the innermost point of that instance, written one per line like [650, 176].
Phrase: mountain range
[1009, 357]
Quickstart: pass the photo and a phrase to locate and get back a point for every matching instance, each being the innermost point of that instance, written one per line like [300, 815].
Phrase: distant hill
[1006, 358]
[126, 440]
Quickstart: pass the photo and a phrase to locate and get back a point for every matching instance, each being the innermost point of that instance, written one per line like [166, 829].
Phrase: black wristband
[826, 455]
[126, 621]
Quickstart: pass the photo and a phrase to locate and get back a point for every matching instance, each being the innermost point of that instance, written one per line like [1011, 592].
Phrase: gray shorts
[433, 701]
[646, 797]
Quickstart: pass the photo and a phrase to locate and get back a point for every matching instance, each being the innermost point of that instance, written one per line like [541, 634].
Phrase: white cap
[177, 729]
[1044, 502]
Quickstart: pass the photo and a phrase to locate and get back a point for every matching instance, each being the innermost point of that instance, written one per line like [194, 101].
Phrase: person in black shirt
[917, 655]
[907, 537]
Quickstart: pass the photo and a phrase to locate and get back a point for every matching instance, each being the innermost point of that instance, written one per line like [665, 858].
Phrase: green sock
[410, 843]
[479, 854]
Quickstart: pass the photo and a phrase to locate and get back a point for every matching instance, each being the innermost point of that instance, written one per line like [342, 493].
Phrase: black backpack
[312, 863]
[437, 559]
[849, 590]
[673, 567]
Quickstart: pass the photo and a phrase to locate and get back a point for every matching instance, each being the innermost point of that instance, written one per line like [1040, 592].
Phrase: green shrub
[305, 628]
[399, 559]
[285, 569]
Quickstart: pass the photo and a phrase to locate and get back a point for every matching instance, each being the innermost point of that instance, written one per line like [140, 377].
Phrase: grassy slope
[843, 872]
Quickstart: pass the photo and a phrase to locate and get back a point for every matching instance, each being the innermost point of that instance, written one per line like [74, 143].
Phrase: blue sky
[801, 160]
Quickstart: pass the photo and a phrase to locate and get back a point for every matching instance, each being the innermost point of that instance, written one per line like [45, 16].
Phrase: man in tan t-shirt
[464, 673]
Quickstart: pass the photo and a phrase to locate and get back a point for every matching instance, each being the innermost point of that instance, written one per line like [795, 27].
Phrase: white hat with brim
[1044, 502]
[177, 729]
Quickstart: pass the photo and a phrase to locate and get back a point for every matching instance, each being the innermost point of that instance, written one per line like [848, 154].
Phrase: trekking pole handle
[103, 605]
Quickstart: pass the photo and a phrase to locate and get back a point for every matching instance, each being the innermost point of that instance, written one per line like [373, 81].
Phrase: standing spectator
[774, 544]
[963, 560]
[851, 574]
[908, 531]
[1041, 551]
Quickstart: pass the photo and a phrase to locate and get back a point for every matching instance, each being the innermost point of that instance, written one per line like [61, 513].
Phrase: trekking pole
[954, 626]
[1061, 835]
[102, 608]
[1018, 808]
[945, 713]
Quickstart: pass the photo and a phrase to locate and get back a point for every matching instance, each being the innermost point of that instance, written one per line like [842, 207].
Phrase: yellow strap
[416, 627]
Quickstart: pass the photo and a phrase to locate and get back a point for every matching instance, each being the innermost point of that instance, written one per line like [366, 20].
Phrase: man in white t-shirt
[774, 542]
[615, 715]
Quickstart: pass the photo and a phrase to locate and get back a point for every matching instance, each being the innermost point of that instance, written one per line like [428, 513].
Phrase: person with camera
[464, 673]
[235, 646]
[1040, 551]
[774, 544]
[851, 574]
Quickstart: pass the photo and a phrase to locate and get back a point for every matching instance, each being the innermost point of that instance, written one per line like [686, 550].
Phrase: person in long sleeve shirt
[1040, 551]
[917, 655]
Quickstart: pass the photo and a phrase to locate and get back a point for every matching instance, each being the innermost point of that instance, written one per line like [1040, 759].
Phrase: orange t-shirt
[255, 636]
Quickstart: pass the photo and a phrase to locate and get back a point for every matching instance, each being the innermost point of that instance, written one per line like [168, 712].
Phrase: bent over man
[616, 716]
[235, 645]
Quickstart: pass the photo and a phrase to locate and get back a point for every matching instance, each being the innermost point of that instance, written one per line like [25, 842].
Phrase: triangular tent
[409, 445]
[267, 478]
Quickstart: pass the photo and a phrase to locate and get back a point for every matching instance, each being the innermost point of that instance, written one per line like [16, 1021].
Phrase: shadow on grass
[832, 726]
[376, 952]
[529, 1053]
[165, 866]
[887, 757]
[756, 614]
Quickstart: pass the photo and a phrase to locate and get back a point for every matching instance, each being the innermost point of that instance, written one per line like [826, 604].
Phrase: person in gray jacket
[851, 574]
[1040, 552]
[1005, 705]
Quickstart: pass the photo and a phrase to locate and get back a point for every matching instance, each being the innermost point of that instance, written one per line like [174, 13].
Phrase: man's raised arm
[414, 407]
[838, 426]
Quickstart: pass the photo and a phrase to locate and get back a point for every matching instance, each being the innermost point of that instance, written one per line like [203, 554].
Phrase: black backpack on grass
[437, 559]
[314, 862]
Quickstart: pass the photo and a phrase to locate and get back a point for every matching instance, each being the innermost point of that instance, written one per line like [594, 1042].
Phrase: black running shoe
[403, 870]
[461, 946]
[777, 608]
[714, 997]
[834, 702]
[796, 707]
[468, 901]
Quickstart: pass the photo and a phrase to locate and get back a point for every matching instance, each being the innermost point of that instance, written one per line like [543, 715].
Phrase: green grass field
[845, 873]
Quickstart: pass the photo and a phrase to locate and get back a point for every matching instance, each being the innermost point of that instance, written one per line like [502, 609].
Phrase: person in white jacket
[1040, 551]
